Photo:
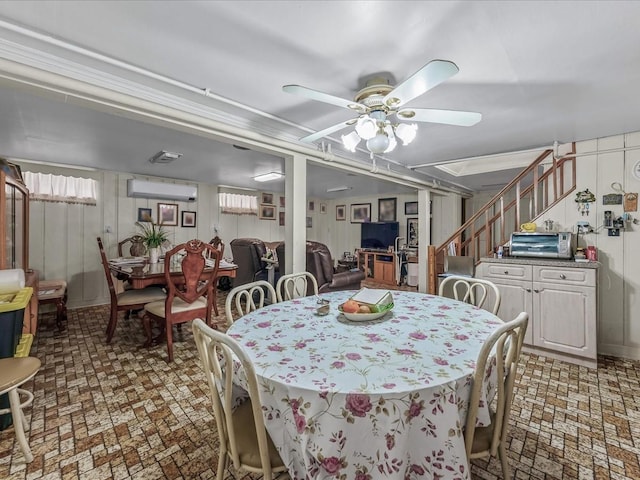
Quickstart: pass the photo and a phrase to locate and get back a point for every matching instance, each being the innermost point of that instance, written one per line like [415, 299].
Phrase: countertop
[550, 262]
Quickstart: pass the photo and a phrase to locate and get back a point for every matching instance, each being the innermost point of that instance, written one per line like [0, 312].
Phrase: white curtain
[58, 188]
[238, 204]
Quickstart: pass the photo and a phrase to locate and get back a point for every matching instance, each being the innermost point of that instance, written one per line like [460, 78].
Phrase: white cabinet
[561, 302]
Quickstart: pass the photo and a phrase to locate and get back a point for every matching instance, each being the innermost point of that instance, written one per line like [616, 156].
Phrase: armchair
[320, 265]
[247, 254]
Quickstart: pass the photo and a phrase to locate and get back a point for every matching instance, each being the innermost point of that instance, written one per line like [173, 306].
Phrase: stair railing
[534, 191]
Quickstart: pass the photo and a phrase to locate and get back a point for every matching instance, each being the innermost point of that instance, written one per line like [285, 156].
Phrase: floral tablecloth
[382, 399]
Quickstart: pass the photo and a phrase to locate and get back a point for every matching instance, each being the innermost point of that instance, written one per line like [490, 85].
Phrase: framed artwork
[267, 212]
[387, 210]
[341, 212]
[281, 202]
[323, 208]
[168, 214]
[412, 232]
[360, 212]
[309, 222]
[188, 219]
[281, 218]
[312, 206]
[410, 208]
[267, 198]
[144, 215]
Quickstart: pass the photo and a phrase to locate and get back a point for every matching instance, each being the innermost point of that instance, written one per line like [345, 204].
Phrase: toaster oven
[542, 244]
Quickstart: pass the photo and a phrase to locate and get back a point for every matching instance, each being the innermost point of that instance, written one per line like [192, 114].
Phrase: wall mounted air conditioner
[165, 191]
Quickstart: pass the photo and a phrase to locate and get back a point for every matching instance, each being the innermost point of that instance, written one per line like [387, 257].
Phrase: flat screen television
[379, 235]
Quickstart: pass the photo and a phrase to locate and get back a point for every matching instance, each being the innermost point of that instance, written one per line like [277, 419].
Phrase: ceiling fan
[378, 102]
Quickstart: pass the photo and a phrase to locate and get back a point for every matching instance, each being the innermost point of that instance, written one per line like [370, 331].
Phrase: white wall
[63, 237]
[619, 275]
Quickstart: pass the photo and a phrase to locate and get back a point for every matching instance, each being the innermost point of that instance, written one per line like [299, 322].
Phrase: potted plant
[153, 236]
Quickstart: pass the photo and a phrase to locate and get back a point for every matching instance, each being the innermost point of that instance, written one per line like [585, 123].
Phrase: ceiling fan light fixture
[388, 130]
[379, 143]
[351, 141]
[406, 132]
[366, 127]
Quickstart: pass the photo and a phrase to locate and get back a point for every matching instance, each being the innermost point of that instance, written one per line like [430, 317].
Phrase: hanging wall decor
[583, 199]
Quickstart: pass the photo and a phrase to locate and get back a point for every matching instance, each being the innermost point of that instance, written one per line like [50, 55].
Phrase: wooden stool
[14, 372]
[54, 291]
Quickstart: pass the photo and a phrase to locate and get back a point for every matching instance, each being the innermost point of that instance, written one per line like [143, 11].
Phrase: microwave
[542, 244]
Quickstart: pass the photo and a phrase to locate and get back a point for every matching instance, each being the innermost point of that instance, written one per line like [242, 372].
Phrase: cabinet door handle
[536, 290]
[529, 290]
[563, 276]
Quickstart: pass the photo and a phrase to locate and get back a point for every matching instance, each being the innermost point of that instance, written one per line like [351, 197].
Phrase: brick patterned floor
[119, 411]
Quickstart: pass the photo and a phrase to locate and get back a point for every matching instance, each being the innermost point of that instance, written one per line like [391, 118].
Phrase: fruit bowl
[363, 317]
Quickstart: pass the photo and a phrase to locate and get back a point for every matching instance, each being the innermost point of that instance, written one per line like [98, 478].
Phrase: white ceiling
[538, 72]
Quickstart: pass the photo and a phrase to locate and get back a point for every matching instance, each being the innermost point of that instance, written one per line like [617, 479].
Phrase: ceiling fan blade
[449, 117]
[327, 131]
[432, 74]
[324, 97]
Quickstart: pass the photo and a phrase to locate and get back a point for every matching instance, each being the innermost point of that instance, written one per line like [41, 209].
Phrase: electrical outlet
[107, 229]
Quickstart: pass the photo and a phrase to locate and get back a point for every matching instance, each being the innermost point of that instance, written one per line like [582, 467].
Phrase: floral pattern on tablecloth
[363, 400]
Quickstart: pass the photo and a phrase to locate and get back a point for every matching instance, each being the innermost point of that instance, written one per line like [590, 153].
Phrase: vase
[137, 248]
[153, 254]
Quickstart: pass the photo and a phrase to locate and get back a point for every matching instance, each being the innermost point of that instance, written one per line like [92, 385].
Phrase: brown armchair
[320, 265]
[247, 254]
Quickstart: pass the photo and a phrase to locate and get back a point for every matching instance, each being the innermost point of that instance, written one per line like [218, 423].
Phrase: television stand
[378, 265]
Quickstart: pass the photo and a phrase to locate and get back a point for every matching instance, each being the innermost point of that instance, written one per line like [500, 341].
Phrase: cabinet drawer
[506, 271]
[569, 276]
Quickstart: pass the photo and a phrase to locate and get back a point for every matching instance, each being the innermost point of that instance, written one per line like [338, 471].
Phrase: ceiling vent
[164, 157]
[165, 191]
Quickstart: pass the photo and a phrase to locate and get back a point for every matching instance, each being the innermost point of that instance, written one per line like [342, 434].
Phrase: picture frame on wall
[311, 206]
[360, 212]
[323, 208]
[411, 208]
[281, 218]
[282, 203]
[168, 214]
[267, 212]
[188, 219]
[266, 198]
[309, 222]
[412, 232]
[145, 215]
[387, 210]
[341, 212]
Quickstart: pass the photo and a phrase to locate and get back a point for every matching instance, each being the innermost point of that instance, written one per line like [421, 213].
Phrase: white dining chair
[471, 290]
[505, 345]
[243, 439]
[295, 285]
[247, 298]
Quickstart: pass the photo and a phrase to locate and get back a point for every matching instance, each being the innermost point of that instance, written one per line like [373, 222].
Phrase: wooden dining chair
[247, 298]
[504, 345]
[471, 290]
[128, 300]
[295, 285]
[218, 244]
[189, 296]
[244, 442]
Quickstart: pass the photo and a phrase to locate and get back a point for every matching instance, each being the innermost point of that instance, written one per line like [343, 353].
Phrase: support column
[424, 238]
[295, 238]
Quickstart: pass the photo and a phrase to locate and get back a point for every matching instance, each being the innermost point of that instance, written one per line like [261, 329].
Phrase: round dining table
[384, 398]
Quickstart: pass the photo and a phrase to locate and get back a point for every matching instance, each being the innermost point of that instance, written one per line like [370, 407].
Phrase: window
[46, 187]
[238, 204]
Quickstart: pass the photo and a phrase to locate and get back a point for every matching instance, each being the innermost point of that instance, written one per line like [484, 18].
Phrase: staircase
[535, 190]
